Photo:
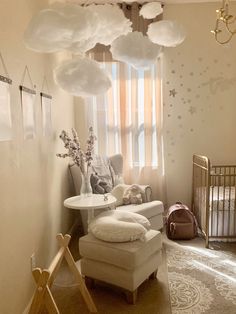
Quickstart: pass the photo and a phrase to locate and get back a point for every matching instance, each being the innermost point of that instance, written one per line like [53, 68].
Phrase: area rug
[201, 280]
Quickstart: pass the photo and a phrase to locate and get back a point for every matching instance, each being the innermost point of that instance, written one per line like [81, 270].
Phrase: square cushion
[127, 255]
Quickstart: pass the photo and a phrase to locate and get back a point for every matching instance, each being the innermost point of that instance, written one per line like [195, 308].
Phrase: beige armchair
[153, 210]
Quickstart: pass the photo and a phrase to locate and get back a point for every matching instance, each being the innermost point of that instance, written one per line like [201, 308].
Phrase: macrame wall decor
[46, 100]
[5, 106]
[28, 106]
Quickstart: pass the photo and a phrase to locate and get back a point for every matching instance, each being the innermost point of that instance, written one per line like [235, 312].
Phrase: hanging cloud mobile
[151, 10]
[68, 26]
[135, 49]
[166, 33]
[78, 29]
[82, 77]
[108, 23]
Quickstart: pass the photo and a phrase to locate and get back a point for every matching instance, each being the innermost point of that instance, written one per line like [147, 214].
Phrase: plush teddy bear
[99, 186]
[132, 195]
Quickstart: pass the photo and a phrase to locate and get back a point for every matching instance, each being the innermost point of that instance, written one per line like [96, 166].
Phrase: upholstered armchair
[153, 210]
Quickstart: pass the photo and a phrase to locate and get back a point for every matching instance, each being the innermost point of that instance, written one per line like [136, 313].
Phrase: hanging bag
[181, 223]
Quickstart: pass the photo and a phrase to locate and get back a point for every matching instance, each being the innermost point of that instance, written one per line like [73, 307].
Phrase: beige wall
[201, 117]
[33, 181]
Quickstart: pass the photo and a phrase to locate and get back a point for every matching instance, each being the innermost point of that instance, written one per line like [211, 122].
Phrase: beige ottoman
[125, 265]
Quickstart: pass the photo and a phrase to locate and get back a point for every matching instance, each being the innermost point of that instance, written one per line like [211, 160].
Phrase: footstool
[125, 265]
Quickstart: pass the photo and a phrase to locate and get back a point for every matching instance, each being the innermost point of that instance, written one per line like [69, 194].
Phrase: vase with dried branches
[82, 159]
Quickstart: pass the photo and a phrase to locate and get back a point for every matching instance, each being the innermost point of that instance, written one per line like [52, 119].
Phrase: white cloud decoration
[82, 77]
[48, 32]
[166, 33]
[76, 28]
[83, 23]
[151, 10]
[135, 49]
[111, 23]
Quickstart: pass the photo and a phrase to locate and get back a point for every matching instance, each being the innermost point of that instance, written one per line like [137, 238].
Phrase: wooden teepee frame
[44, 279]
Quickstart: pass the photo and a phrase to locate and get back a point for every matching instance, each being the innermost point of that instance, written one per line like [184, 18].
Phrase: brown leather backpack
[181, 224]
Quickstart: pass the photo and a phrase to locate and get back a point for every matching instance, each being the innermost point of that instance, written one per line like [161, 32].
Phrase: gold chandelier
[223, 31]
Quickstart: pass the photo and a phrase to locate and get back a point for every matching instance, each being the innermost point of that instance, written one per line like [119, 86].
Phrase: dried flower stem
[75, 152]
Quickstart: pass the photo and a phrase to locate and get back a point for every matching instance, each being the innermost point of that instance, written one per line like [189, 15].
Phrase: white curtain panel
[128, 120]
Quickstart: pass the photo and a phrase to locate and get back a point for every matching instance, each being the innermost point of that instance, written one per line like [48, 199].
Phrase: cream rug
[201, 280]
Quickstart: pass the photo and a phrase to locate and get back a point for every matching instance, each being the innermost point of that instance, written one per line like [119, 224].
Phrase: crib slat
[229, 207]
[223, 223]
[217, 206]
[212, 209]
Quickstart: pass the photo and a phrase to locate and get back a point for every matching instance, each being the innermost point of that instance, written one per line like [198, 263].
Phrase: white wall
[201, 117]
[33, 181]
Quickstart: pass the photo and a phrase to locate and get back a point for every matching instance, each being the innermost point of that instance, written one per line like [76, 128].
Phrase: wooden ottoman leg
[153, 275]
[90, 282]
[131, 296]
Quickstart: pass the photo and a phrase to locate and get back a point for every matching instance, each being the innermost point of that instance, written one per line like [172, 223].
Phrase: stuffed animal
[99, 186]
[133, 195]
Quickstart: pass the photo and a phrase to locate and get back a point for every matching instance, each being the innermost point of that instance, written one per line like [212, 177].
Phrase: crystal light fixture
[224, 31]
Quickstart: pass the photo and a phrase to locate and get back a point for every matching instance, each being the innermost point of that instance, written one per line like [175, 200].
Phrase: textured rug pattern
[201, 280]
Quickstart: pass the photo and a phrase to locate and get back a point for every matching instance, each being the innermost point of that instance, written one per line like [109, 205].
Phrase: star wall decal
[192, 109]
[172, 92]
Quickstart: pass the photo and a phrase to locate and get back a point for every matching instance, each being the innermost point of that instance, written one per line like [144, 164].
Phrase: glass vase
[85, 189]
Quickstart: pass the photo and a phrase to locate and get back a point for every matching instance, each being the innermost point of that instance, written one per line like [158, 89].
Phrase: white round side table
[90, 203]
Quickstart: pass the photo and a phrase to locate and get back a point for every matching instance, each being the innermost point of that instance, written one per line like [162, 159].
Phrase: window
[127, 118]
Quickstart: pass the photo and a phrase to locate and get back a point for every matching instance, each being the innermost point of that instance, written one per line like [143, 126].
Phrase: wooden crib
[213, 199]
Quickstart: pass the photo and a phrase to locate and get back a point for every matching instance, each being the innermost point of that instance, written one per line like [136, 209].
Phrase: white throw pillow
[119, 226]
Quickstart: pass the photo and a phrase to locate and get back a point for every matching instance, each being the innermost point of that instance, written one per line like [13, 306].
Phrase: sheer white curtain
[128, 120]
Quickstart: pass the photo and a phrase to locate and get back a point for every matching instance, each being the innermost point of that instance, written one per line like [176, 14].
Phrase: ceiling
[140, 1]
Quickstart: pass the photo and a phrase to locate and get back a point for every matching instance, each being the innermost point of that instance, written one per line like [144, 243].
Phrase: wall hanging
[5, 106]
[46, 100]
[28, 107]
